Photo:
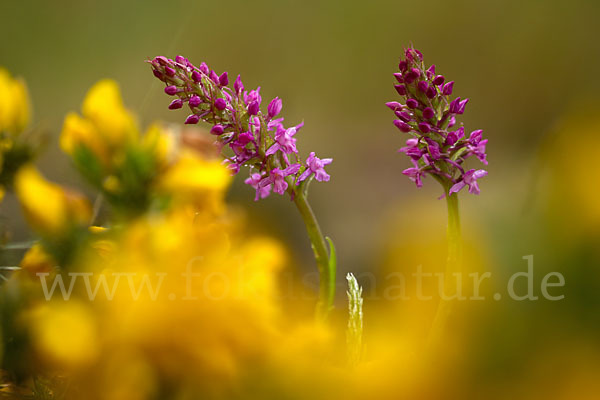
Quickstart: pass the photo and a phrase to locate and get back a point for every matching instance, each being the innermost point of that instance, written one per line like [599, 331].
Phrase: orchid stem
[453, 267]
[319, 246]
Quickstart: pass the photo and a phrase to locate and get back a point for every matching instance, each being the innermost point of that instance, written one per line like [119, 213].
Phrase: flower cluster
[429, 114]
[256, 139]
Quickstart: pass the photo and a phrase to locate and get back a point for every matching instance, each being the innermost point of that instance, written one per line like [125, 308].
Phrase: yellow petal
[14, 104]
[103, 106]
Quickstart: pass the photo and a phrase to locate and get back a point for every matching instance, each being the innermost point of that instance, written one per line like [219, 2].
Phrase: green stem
[453, 266]
[319, 246]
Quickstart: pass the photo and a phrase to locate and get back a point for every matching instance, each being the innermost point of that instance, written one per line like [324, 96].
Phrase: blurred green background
[530, 69]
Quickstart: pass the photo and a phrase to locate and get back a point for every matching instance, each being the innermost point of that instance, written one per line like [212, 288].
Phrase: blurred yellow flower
[14, 104]
[49, 208]
[65, 333]
[103, 106]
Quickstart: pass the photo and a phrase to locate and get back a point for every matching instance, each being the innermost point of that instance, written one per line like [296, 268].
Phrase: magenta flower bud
[238, 86]
[214, 77]
[412, 103]
[475, 136]
[438, 80]
[403, 126]
[224, 79]
[399, 77]
[192, 119]
[175, 104]
[253, 108]
[431, 92]
[451, 138]
[217, 130]
[461, 106]
[412, 75]
[181, 60]
[196, 76]
[454, 105]
[451, 121]
[401, 89]
[220, 104]
[428, 113]
[423, 86]
[424, 127]
[393, 105]
[204, 68]
[162, 60]
[402, 65]
[447, 90]
[431, 71]
[157, 74]
[195, 101]
[274, 107]
[171, 90]
[169, 71]
[403, 115]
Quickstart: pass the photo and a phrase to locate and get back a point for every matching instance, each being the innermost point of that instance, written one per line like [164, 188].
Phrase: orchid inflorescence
[258, 140]
[428, 115]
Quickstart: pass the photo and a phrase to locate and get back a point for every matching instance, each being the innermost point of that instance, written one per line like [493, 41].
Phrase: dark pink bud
[274, 107]
[195, 101]
[220, 104]
[401, 89]
[171, 90]
[157, 74]
[454, 105]
[393, 105]
[451, 138]
[224, 79]
[423, 86]
[411, 75]
[461, 106]
[181, 60]
[196, 76]
[412, 103]
[217, 130]
[424, 127]
[169, 71]
[175, 104]
[238, 86]
[403, 126]
[431, 71]
[428, 113]
[192, 119]
[438, 80]
[403, 115]
[214, 77]
[402, 65]
[204, 68]
[431, 92]
[475, 137]
[162, 60]
[253, 108]
[447, 90]
[399, 77]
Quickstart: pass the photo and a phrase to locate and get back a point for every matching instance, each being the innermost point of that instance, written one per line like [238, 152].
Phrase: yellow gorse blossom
[14, 104]
[49, 208]
[105, 124]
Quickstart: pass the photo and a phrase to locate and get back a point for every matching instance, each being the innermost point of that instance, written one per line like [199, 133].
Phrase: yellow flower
[49, 208]
[103, 106]
[192, 179]
[37, 260]
[64, 333]
[106, 126]
[79, 131]
[14, 104]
